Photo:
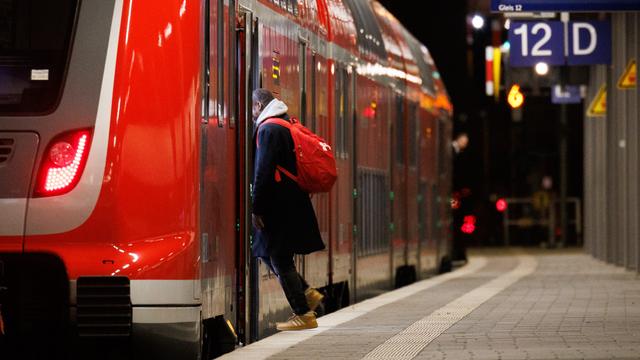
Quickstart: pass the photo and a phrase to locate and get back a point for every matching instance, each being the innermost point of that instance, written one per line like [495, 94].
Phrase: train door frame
[217, 336]
[415, 119]
[303, 46]
[351, 84]
[390, 166]
[204, 121]
[313, 83]
[399, 151]
[248, 70]
[436, 190]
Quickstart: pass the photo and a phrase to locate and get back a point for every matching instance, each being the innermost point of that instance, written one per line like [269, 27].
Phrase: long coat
[290, 224]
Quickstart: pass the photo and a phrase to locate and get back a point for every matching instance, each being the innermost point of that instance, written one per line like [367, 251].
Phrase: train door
[221, 184]
[300, 260]
[441, 193]
[427, 168]
[398, 190]
[413, 194]
[342, 263]
[248, 79]
[350, 88]
[316, 265]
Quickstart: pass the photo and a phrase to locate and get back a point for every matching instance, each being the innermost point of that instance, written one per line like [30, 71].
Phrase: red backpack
[314, 159]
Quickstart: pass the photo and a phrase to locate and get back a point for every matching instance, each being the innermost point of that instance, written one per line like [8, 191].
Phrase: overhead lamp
[542, 68]
[477, 21]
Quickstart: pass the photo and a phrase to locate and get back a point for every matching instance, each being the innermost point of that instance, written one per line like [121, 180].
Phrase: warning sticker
[629, 78]
[40, 74]
[598, 106]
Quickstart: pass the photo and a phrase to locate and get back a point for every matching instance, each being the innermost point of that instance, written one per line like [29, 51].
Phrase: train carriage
[125, 167]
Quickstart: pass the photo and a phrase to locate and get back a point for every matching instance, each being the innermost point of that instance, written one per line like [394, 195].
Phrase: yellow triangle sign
[598, 106]
[629, 78]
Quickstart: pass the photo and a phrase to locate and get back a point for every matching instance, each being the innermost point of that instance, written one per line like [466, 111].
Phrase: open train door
[248, 79]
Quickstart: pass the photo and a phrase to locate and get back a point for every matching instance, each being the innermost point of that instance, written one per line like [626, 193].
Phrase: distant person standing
[283, 216]
[460, 143]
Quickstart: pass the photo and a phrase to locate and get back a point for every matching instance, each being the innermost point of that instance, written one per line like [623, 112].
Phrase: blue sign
[542, 41]
[590, 42]
[569, 95]
[534, 42]
[564, 5]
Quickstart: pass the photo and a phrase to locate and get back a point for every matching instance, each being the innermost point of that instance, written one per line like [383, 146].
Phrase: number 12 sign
[534, 42]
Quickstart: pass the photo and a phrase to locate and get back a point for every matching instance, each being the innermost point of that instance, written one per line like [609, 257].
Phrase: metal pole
[579, 221]
[563, 141]
[552, 223]
[563, 174]
[505, 223]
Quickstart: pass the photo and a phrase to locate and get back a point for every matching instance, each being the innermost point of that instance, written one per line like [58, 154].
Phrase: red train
[125, 174]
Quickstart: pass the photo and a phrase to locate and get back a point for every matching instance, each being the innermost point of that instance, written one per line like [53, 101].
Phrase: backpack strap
[286, 172]
[286, 124]
[278, 121]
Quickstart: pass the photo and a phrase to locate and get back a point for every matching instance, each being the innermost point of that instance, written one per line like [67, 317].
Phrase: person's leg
[292, 283]
[313, 296]
[267, 261]
[305, 286]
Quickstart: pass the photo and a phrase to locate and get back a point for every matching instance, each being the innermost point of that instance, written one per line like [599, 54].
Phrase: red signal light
[469, 224]
[63, 163]
[468, 228]
[501, 205]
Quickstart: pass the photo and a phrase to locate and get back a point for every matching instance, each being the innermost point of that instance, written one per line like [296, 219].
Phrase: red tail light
[63, 163]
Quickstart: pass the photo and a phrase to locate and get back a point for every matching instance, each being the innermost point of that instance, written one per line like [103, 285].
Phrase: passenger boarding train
[125, 129]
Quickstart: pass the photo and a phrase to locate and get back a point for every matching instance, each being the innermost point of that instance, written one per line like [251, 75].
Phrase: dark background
[505, 158]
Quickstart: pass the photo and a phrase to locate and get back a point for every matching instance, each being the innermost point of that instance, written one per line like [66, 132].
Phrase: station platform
[503, 304]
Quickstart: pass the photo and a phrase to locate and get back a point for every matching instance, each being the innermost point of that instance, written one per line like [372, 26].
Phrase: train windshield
[35, 37]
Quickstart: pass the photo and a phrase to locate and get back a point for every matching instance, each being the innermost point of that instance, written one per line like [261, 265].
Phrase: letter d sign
[589, 42]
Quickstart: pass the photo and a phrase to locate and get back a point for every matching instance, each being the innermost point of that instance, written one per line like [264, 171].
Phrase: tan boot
[314, 298]
[299, 322]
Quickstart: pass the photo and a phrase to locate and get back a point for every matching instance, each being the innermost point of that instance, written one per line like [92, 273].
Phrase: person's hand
[258, 222]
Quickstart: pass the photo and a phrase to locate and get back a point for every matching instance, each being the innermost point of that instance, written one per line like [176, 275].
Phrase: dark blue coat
[290, 224]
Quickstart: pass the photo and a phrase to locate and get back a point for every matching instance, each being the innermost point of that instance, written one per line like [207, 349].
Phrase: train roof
[377, 42]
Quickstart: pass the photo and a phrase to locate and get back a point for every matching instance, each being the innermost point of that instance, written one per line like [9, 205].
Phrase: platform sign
[564, 5]
[589, 42]
[568, 95]
[629, 78]
[598, 106]
[534, 42]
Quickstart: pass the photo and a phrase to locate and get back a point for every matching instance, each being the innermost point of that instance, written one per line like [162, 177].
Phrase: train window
[290, 6]
[232, 25]
[342, 112]
[302, 60]
[368, 31]
[338, 105]
[421, 57]
[35, 37]
[347, 113]
[314, 112]
[220, 62]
